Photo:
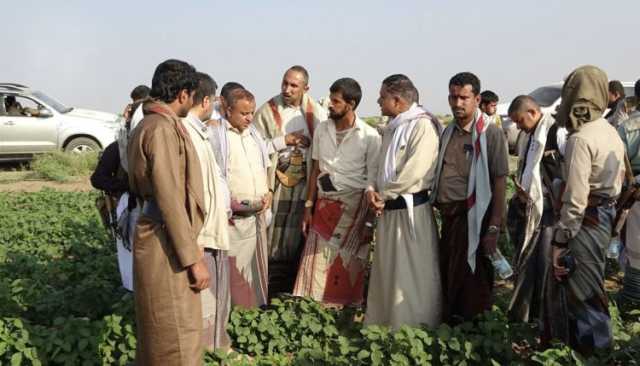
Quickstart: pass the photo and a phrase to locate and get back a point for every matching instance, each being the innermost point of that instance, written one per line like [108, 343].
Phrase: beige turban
[584, 97]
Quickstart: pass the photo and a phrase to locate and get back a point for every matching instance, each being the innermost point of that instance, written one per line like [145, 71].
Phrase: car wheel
[81, 145]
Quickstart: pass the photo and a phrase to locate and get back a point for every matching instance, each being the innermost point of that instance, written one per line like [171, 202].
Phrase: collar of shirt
[235, 130]
[198, 125]
[357, 125]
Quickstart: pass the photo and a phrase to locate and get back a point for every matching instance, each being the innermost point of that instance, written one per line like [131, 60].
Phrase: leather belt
[399, 203]
[151, 210]
[598, 201]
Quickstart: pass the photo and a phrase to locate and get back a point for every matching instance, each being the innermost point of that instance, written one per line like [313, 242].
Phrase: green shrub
[16, 345]
[62, 167]
[61, 303]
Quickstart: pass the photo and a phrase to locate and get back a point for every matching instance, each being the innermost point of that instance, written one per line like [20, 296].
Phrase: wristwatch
[308, 204]
[492, 229]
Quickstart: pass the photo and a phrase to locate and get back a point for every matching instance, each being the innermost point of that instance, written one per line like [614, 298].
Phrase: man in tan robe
[405, 287]
[246, 167]
[213, 239]
[287, 122]
[169, 270]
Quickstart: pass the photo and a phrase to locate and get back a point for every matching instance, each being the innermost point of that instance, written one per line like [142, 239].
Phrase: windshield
[59, 107]
[546, 95]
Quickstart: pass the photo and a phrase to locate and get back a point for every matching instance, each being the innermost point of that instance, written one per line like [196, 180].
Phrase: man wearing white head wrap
[405, 286]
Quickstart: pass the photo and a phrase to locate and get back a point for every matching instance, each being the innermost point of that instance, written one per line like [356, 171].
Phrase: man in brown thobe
[168, 266]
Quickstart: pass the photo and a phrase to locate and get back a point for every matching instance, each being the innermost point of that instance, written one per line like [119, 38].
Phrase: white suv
[548, 97]
[32, 122]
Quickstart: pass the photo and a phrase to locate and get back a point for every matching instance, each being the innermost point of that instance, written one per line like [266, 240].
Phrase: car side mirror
[45, 113]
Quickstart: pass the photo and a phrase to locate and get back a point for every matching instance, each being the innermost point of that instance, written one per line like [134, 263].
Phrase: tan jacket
[594, 165]
[165, 168]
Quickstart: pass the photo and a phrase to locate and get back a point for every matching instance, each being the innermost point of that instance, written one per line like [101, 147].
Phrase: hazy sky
[91, 54]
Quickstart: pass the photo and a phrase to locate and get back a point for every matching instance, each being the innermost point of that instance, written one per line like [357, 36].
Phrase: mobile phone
[326, 183]
[569, 262]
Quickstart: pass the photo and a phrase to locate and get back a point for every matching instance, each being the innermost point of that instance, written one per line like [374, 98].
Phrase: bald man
[287, 122]
[534, 206]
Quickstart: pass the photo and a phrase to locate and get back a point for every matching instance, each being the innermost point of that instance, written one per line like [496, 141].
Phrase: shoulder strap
[276, 114]
[309, 117]
[628, 172]
[436, 125]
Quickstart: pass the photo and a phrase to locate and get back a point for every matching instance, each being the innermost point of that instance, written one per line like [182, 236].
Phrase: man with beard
[213, 238]
[169, 268]
[470, 194]
[405, 283]
[593, 172]
[489, 105]
[345, 163]
[287, 121]
[625, 107]
[616, 103]
[535, 204]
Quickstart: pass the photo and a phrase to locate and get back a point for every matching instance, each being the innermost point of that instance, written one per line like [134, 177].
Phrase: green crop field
[61, 304]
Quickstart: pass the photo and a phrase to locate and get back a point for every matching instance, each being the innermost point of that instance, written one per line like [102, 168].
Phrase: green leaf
[16, 359]
[315, 328]
[83, 344]
[454, 344]
[363, 354]
[376, 358]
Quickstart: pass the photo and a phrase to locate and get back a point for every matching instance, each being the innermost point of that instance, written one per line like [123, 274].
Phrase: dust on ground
[26, 185]
[16, 177]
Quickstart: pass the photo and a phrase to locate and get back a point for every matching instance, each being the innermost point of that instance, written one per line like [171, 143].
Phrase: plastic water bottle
[615, 246]
[501, 265]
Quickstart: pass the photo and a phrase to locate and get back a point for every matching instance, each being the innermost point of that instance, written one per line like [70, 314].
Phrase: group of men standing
[237, 205]
[574, 187]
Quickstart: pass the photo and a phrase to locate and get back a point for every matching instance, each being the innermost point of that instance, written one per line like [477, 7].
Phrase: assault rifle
[629, 196]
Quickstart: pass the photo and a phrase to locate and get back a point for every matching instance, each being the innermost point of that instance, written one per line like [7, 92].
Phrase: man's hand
[375, 202]
[297, 138]
[306, 220]
[489, 243]
[522, 195]
[267, 199]
[559, 272]
[199, 276]
[127, 111]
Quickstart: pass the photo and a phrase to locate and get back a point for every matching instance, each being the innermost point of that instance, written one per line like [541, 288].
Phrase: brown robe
[466, 293]
[164, 167]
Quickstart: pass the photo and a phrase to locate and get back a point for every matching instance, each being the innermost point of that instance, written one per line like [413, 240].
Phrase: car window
[61, 108]
[18, 106]
[3, 112]
[546, 95]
